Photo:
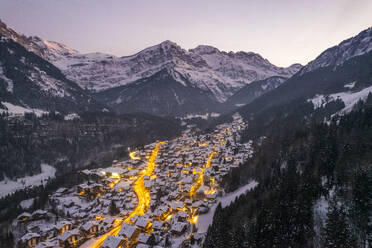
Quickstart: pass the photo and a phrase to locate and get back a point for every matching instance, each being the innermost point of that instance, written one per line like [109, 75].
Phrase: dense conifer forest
[304, 169]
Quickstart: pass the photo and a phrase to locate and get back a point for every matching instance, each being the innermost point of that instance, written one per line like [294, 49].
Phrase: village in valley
[154, 199]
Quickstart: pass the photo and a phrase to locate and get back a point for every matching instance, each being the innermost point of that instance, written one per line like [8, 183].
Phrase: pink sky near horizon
[284, 32]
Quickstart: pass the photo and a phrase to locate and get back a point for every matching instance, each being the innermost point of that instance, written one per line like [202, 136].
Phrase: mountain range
[331, 84]
[164, 79]
[205, 76]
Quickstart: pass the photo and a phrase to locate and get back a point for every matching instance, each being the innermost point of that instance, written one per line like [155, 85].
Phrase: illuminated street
[142, 193]
[156, 197]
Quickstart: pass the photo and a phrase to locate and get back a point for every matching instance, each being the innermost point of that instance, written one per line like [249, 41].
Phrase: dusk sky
[283, 31]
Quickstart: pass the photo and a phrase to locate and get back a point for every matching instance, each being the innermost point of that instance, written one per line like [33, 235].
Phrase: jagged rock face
[206, 68]
[253, 90]
[159, 94]
[337, 55]
[48, 50]
[211, 75]
[29, 81]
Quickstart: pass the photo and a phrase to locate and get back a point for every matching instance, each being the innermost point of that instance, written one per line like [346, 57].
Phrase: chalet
[182, 216]
[113, 242]
[177, 205]
[91, 190]
[46, 244]
[178, 228]
[134, 218]
[158, 225]
[128, 231]
[29, 240]
[211, 197]
[39, 214]
[144, 238]
[46, 231]
[63, 226]
[61, 191]
[161, 212]
[24, 217]
[107, 223]
[143, 223]
[142, 246]
[90, 229]
[69, 238]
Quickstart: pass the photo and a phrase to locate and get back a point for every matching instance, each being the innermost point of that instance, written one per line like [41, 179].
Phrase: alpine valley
[180, 148]
[163, 79]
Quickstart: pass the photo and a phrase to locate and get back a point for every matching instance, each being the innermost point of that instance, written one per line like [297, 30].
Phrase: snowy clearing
[349, 98]
[19, 110]
[205, 116]
[26, 204]
[8, 186]
[206, 220]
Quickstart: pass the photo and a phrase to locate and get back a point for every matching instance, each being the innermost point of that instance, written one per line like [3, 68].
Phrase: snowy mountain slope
[28, 83]
[219, 73]
[204, 70]
[159, 94]
[253, 90]
[334, 90]
[349, 97]
[49, 50]
[355, 46]
[205, 67]
[337, 70]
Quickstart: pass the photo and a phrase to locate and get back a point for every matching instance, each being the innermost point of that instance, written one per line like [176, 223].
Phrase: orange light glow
[134, 156]
[100, 217]
[142, 192]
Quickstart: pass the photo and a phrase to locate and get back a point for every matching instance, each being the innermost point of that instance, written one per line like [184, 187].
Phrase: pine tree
[362, 204]
[237, 237]
[113, 210]
[216, 234]
[152, 240]
[337, 233]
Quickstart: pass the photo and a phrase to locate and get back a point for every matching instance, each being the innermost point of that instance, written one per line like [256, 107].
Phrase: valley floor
[165, 195]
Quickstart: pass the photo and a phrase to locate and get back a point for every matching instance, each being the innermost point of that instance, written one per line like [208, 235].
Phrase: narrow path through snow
[205, 220]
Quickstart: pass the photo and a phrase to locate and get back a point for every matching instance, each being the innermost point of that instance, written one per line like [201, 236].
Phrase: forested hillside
[69, 144]
[291, 101]
[315, 187]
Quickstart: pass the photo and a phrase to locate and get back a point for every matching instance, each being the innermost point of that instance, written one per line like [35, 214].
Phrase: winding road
[143, 195]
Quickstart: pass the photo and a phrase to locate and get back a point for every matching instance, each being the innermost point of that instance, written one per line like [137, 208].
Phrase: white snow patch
[8, 186]
[350, 85]
[71, 116]
[205, 116]
[9, 82]
[349, 98]
[19, 110]
[206, 220]
[26, 204]
[320, 211]
[239, 104]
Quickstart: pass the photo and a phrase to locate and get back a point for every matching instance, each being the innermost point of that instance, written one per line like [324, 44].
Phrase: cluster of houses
[184, 184]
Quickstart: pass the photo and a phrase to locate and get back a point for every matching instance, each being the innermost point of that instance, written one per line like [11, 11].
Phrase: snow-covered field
[206, 220]
[8, 186]
[205, 116]
[349, 98]
[26, 204]
[19, 110]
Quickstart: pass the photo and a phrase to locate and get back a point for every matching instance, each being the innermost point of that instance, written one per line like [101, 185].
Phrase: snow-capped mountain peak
[205, 67]
[204, 49]
[52, 50]
[337, 55]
